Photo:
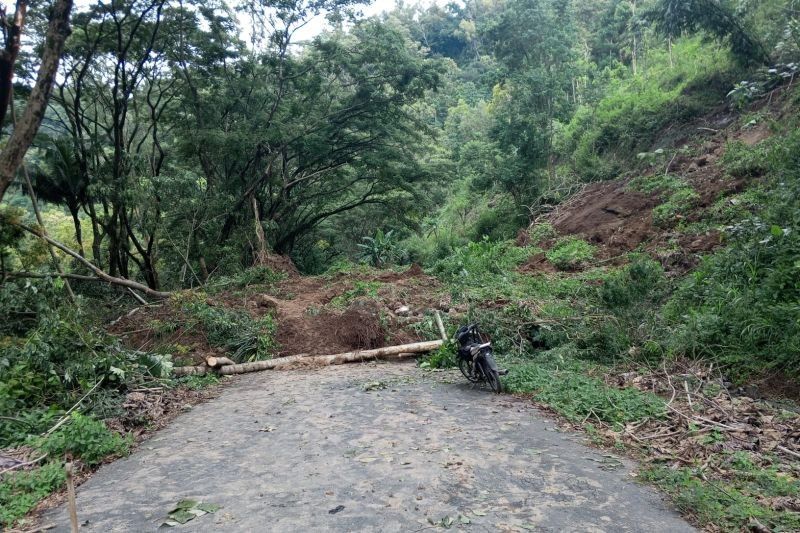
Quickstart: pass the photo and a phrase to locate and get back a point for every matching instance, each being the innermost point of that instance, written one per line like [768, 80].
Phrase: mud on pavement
[371, 447]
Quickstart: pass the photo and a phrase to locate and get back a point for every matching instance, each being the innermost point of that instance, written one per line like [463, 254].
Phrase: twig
[38, 529]
[701, 419]
[787, 450]
[66, 415]
[688, 396]
[20, 465]
[73, 509]
[669, 380]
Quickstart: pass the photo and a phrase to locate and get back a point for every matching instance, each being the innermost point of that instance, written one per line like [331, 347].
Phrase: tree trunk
[317, 360]
[99, 273]
[22, 136]
[8, 58]
[261, 252]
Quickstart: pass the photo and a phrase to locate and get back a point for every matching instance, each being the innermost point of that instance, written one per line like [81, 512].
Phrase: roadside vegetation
[610, 188]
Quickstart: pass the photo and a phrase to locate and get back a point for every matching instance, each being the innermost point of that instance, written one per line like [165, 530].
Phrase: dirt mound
[280, 263]
[609, 215]
[537, 263]
[360, 326]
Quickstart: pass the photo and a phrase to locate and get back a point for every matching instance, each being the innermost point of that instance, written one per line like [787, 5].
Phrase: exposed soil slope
[617, 218]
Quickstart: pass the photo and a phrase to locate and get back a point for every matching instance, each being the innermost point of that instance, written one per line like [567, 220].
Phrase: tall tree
[26, 128]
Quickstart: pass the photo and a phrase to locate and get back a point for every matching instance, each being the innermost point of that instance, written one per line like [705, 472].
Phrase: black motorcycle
[475, 358]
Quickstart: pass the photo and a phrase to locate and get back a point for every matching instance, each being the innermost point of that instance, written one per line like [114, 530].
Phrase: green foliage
[740, 306]
[634, 284]
[679, 198]
[732, 503]
[481, 261]
[361, 289]
[443, 357]
[679, 203]
[60, 358]
[85, 438]
[541, 232]
[742, 161]
[380, 249]
[247, 338]
[717, 18]
[568, 253]
[635, 109]
[561, 382]
[21, 491]
[257, 275]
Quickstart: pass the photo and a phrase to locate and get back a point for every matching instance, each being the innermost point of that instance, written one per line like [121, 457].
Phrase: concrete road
[372, 447]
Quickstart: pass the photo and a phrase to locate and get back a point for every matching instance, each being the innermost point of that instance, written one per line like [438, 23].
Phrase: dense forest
[606, 186]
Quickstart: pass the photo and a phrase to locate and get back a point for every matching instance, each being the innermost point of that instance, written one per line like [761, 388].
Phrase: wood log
[335, 359]
[440, 325]
[320, 360]
[214, 361]
[180, 371]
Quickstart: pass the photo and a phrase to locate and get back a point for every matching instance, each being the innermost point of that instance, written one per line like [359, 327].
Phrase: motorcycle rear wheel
[468, 369]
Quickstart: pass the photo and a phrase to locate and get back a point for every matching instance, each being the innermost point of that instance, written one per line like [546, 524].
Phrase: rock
[266, 301]
[402, 310]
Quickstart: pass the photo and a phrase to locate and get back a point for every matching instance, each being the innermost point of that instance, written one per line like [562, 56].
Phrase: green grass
[361, 289]
[21, 491]
[564, 384]
[569, 253]
[730, 504]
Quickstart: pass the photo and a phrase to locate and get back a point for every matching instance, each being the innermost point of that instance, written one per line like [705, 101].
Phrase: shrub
[541, 232]
[478, 261]
[83, 437]
[569, 253]
[247, 338]
[443, 357]
[21, 491]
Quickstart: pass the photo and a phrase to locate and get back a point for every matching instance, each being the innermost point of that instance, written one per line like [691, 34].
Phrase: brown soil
[310, 319]
[618, 220]
[608, 215]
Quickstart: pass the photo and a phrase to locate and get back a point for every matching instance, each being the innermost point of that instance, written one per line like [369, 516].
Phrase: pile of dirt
[313, 322]
[315, 315]
[608, 215]
[151, 328]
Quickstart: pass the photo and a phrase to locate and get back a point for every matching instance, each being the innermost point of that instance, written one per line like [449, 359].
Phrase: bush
[478, 261]
[740, 306]
[443, 357]
[85, 438]
[247, 338]
[21, 491]
[569, 253]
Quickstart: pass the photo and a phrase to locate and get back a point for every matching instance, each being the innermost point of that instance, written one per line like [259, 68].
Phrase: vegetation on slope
[467, 139]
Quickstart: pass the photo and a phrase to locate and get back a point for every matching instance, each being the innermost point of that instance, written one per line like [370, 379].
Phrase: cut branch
[99, 273]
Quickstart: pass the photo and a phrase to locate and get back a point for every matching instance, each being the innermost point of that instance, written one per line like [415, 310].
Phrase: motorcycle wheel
[491, 376]
[468, 369]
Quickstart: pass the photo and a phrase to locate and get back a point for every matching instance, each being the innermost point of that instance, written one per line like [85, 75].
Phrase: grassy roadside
[659, 363]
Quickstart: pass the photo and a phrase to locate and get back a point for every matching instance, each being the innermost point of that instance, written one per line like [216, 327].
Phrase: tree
[25, 130]
[716, 17]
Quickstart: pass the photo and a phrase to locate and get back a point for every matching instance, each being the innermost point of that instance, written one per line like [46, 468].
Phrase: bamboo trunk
[317, 360]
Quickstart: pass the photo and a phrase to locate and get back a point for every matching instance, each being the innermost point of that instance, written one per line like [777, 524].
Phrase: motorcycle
[475, 358]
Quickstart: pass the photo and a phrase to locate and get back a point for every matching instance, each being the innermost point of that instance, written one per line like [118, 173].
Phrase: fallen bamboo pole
[314, 360]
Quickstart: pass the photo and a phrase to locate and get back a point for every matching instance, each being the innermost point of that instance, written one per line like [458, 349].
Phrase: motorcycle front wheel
[491, 375]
